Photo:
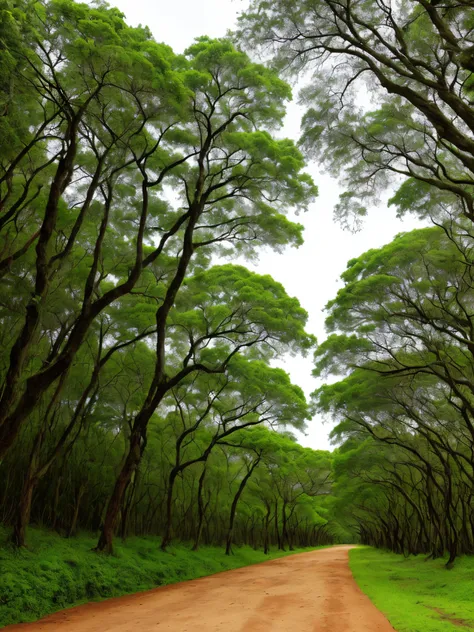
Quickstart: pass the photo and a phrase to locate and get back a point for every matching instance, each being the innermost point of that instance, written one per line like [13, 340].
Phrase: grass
[417, 596]
[55, 573]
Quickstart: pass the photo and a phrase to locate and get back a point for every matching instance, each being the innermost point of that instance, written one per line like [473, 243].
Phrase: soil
[307, 592]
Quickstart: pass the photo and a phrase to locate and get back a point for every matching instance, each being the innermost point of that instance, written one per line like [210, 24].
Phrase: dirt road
[308, 592]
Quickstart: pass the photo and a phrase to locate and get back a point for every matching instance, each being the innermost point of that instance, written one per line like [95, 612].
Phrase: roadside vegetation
[140, 388]
[416, 595]
[401, 328]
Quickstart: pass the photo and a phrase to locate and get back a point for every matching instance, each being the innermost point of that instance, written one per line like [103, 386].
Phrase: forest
[142, 382]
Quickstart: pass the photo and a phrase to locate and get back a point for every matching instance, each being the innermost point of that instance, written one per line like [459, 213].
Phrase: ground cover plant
[417, 595]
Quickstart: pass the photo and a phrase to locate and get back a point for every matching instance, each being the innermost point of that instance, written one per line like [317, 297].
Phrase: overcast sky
[311, 272]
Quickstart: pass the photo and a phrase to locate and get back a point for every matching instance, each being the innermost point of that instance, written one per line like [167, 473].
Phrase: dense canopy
[141, 382]
[136, 362]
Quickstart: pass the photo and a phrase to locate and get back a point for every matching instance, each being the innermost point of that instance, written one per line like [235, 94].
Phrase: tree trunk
[128, 506]
[266, 535]
[201, 510]
[233, 509]
[22, 518]
[105, 543]
[24, 511]
[169, 509]
[54, 516]
[284, 534]
[80, 494]
[277, 531]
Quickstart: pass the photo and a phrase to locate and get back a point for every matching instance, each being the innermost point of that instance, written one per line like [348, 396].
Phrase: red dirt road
[307, 592]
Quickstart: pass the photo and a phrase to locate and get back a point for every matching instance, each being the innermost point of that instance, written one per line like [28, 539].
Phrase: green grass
[417, 596]
[55, 573]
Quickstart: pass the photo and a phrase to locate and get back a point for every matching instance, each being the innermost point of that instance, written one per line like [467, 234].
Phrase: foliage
[402, 341]
[414, 59]
[414, 593]
[127, 173]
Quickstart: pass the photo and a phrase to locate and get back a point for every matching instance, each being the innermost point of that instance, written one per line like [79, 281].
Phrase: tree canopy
[136, 376]
[141, 388]
[402, 341]
[415, 60]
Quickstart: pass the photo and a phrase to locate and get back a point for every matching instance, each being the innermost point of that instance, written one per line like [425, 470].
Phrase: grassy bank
[415, 595]
[56, 573]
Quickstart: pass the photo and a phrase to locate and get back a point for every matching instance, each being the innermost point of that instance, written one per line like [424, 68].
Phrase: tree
[59, 426]
[235, 192]
[126, 172]
[106, 101]
[298, 474]
[249, 394]
[403, 338]
[232, 310]
[416, 60]
[250, 465]
[136, 167]
[405, 306]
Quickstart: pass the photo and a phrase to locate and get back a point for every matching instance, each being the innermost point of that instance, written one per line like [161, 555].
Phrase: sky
[311, 272]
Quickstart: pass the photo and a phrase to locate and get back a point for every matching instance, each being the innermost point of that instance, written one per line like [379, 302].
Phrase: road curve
[307, 592]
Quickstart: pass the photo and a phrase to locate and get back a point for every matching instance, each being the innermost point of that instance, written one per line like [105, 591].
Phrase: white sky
[311, 272]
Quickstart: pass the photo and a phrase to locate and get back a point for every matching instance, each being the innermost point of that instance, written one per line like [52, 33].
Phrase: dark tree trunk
[169, 509]
[233, 509]
[277, 531]
[284, 534]
[114, 507]
[128, 506]
[55, 513]
[201, 510]
[266, 535]
[24, 511]
[80, 494]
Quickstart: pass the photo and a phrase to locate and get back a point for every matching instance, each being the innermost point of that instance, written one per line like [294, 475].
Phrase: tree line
[403, 337]
[401, 328]
[138, 391]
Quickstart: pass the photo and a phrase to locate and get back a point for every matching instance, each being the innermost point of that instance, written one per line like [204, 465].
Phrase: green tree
[219, 313]
[226, 194]
[106, 100]
[402, 336]
[249, 394]
[416, 60]
[124, 353]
